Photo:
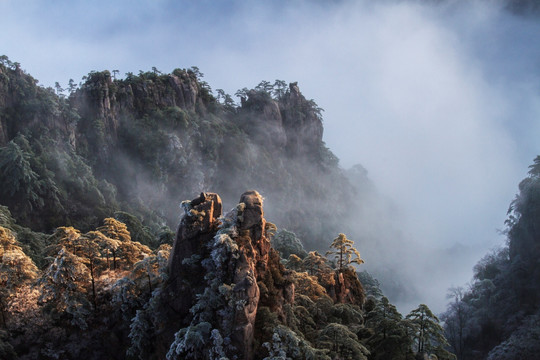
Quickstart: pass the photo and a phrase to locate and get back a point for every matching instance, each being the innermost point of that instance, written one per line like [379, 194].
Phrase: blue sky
[440, 103]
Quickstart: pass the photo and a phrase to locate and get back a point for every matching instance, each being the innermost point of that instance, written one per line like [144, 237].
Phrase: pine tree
[314, 263]
[456, 320]
[63, 237]
[115, 230]
[390, 338]
[16, 270]
[122, 248]
[342, 342]
[147, 269]
[344, 252]
[90, 246]
[287, 244]
[64, 287]
[429, 334]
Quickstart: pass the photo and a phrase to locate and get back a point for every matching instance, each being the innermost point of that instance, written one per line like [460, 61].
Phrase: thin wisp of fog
[438, 101]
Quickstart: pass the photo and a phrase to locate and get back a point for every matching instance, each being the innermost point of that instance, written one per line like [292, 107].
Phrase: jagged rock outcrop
[251, 219]
[215, 272]
[347, 288]
[196, 229]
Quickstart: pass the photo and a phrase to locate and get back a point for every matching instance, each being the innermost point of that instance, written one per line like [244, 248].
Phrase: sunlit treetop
[345, 253]
[16, 268]
[115, 229]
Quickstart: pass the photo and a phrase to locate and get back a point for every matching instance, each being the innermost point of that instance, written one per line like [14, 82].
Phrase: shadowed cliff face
[289, 125]
[195, 232]
[304, 128]
[103, 103]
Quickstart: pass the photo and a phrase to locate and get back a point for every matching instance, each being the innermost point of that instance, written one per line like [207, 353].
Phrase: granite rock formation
[216, 268]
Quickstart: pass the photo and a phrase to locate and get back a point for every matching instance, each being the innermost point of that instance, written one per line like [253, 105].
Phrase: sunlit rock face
[233, 253]
[196, 229]
[252, 260]
[251, 219]
[347, 289]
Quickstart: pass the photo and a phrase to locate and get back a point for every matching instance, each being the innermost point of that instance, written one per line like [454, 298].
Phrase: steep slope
[497, 316]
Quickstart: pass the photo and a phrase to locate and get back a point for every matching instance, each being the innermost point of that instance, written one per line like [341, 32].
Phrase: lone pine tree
[344, 252]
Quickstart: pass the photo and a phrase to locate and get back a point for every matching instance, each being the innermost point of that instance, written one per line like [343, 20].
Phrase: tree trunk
[114, 259]
[93, 284]
[149, 281]
[2, 317]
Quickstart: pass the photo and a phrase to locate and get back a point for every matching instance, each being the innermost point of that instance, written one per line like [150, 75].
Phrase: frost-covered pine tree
[342, 342]
[65, 286]
[140, 335]
[344, 252]
[16, 270]
[287, 345]
[124, 251]
[428, 334]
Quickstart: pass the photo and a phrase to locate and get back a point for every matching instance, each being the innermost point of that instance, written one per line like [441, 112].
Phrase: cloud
[439, 102]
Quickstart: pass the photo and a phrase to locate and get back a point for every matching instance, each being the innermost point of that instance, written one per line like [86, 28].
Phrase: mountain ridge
[141, 138]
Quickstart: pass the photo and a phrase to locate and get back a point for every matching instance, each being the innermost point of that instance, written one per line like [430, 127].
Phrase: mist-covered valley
[423, 123]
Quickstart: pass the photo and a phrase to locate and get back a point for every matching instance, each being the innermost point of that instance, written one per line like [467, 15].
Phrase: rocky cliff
[234, 254]
[103, 103]
[144, 143]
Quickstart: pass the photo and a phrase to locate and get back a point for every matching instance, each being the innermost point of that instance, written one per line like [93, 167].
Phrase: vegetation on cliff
[496, 316]
[144, 143]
